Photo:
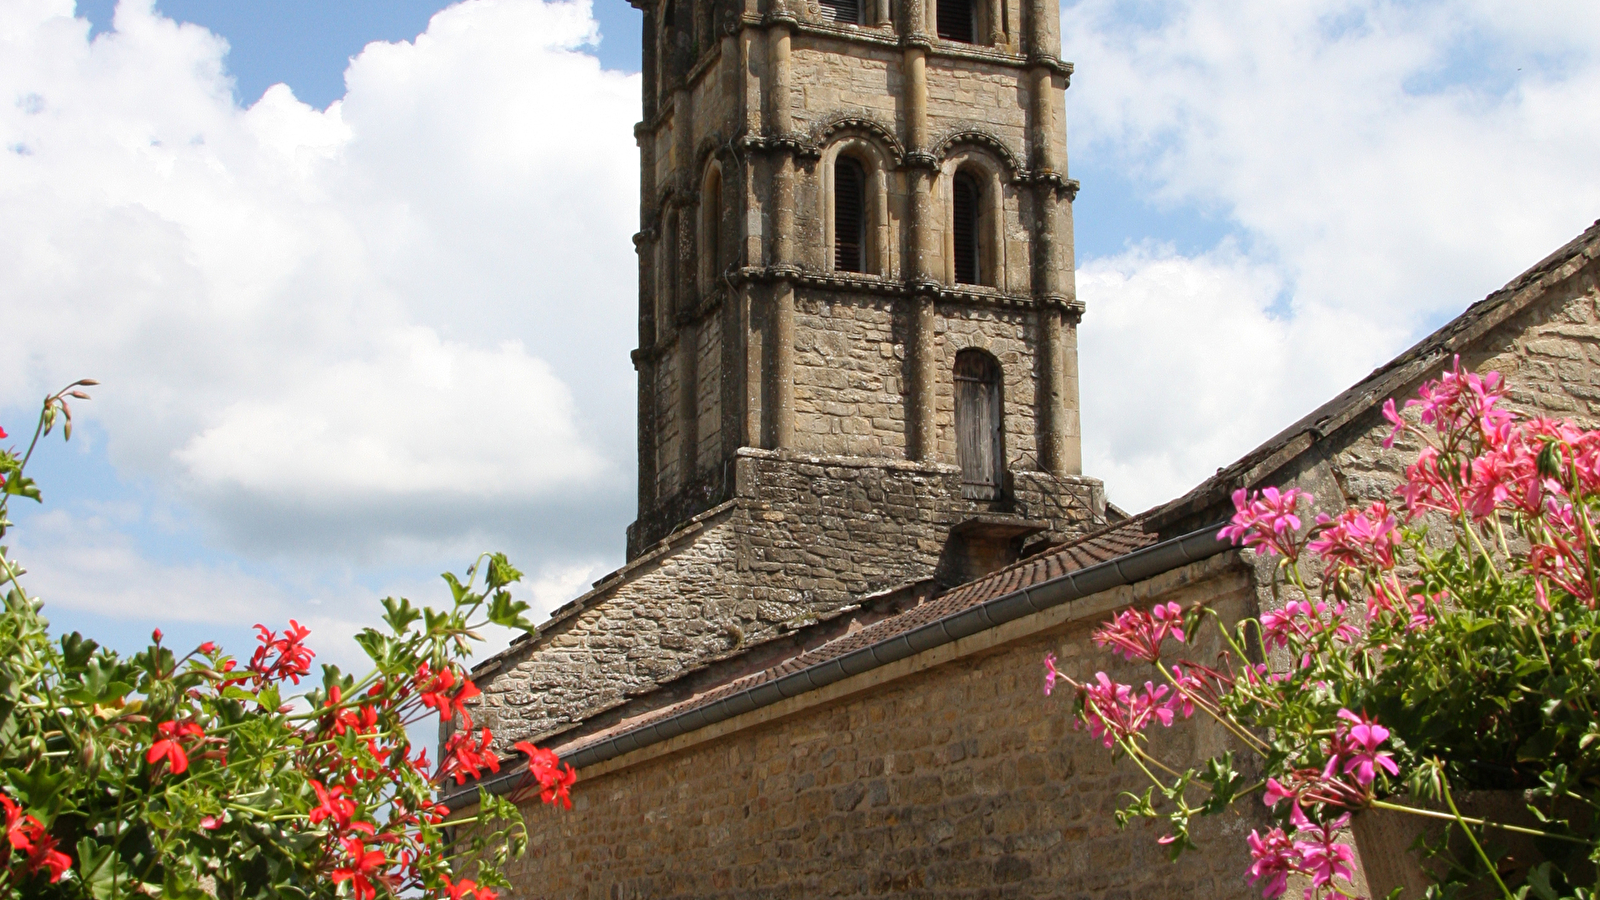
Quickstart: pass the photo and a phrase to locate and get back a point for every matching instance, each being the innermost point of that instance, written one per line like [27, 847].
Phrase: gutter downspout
[1132, 567]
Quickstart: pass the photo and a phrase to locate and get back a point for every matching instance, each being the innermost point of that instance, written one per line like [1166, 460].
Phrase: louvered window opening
[845, 11]
[849, 215]
[966, 229]
[980, 447]
[713, 226]
[956, 20]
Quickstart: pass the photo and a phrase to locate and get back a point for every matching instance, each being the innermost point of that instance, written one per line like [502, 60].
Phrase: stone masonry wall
[851, 378]
[669, 430]
[849, 396]
[708, 398]
[956, 781]
[803, 537]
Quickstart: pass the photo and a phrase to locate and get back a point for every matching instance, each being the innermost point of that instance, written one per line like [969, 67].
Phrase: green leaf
[457, 589]
[101, 871]
[76, 650]
[508, 612]
[501, 572]
[399, 613]
[39, 788]
[22, 486]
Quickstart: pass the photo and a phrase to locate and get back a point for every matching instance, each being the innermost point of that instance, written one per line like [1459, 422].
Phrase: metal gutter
[1138, 565]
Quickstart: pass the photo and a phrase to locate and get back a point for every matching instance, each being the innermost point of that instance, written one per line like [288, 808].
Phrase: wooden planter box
[1384, 838]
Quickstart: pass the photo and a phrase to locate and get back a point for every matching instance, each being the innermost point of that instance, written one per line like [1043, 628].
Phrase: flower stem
[1444, 785]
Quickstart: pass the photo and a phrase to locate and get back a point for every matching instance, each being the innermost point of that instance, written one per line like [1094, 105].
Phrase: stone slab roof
[1102, 546]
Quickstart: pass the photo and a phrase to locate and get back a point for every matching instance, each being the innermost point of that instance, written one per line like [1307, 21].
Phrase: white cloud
[308, 321]
[87, 563]
[1187, 366]
[1379, 166]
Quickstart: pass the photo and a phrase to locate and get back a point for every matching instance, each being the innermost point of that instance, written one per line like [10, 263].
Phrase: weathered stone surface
[802, 537]
[960, 780]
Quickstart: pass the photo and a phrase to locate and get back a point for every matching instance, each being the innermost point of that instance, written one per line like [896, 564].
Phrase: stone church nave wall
[956, 780]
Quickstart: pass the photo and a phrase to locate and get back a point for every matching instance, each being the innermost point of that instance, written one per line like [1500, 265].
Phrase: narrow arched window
[966, 197]
[980, 444]
[849, 215]
[847, 12]
[711, 226]
[958, 20]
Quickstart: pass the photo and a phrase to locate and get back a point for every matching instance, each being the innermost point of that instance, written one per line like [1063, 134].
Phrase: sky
[356, 278]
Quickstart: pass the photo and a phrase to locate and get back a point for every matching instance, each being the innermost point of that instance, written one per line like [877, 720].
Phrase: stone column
[920, 171]
[688, 287]
[779, 129]
[1069, 457]
[1059, 447]
[645, 244]
[1052, 366]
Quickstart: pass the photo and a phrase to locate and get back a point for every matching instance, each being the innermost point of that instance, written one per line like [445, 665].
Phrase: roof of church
[1103, 546]
[1110, 552]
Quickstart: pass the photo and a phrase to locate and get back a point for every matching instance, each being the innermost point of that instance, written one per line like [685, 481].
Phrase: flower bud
[1549, 461]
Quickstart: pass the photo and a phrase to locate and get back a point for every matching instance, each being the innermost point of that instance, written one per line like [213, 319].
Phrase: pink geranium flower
[1266, 520]
[1321, 856]
[1273, 857]
[1357, 746]
[1138, 634]
[1358, 538]
[1115, 712]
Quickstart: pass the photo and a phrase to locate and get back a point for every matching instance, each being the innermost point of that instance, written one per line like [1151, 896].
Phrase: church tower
[857, 340]
[855, 241]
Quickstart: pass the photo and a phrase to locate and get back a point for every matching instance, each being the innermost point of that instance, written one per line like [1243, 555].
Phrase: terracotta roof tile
[1108, 544]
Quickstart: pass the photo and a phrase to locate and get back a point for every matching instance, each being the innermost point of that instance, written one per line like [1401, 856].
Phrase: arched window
[958, 20]
[711, 229]
[849, 215]
[844, 11]
[967, 199]
[980, 443]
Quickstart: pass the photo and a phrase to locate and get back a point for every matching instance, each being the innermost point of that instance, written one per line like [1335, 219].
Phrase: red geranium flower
[435, 694]
[25, 834]
[169, 747]
[46, 856]
[467, 888]
[282, 657]
[555, 777]
[365, 867]
[332, 805]
[17, 823]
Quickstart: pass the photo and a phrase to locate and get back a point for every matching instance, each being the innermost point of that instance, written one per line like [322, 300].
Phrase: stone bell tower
[854, 217]
[857, 337]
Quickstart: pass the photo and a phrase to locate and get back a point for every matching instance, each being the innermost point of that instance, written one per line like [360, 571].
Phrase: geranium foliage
[1441, 642]
[195, 773]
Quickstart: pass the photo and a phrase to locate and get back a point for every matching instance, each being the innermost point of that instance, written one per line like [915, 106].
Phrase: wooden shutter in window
[846, 11]
[980, 446]
[956, 20]
[965, 202]
[849, 215]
